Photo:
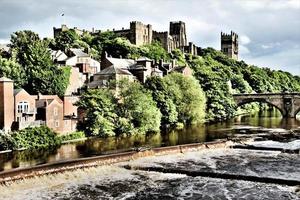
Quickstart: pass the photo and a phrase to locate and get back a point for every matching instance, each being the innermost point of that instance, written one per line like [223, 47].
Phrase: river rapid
[266, 167]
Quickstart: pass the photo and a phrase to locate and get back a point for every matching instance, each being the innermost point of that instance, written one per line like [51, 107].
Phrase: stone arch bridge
[287, 103]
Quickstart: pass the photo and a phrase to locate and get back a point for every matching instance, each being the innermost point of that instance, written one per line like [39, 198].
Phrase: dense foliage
[134, 108]
[37, 73]
[12, 70]
[134, 111]
[179, 98]
[138, 106]
[72, 136]
[38, 137]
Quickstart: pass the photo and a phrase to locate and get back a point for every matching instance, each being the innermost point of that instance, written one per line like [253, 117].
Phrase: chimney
[161, 62]
[173, 63]
[120, 56]
[6, 104]
[105, 53]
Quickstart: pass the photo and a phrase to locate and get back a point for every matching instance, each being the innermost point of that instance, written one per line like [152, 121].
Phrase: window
[23, 107]
[55, 112]
[56, 123]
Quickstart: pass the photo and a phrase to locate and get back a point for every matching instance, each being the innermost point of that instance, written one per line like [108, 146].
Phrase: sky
[269, 30]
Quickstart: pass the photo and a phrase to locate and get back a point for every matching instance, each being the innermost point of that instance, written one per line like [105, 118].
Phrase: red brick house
[19, 110]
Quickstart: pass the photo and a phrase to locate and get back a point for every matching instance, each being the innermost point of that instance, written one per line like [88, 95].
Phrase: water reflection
[98, 146]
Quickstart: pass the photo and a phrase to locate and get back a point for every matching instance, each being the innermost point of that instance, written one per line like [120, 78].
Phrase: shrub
[72, 136]
[32, 137]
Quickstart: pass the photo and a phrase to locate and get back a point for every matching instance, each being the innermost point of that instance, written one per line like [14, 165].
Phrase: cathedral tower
[230, 44]
[178, 32]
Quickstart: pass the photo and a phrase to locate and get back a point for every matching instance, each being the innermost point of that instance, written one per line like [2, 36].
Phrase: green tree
[65, 40]
[160, 94]
[137, 105]
[12, 70]
[40, 72]
[155, 51]
[100, 108]
[187, 96]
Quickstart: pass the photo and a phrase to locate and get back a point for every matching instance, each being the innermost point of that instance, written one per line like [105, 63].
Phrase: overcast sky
[269, 30]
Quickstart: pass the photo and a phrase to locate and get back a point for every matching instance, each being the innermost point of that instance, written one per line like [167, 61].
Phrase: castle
[142, 34]
[176, 38]
[230, 44]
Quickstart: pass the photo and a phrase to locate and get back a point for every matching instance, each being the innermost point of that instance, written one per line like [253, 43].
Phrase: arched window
[23, 107]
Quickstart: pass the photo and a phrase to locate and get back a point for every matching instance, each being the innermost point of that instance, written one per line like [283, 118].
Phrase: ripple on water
[112, 182]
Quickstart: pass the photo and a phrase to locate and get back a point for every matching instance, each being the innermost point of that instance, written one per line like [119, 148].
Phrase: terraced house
[19, 110]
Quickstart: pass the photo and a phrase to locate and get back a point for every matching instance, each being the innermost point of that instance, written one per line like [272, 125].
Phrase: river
[99, 146]
[269, 172]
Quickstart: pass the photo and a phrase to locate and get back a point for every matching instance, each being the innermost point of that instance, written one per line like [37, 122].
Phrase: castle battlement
[160, 32]
[231, 35]
[229, 44]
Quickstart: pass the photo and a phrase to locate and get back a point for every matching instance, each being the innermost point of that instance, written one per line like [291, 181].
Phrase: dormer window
[23, 107]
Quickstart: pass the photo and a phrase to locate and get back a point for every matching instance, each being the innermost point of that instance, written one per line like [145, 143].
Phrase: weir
[57, 167]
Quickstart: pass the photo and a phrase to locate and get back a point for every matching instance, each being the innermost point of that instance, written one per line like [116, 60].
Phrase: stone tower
[140, 34]
[230, 44]
[178, 32]
[6, 103]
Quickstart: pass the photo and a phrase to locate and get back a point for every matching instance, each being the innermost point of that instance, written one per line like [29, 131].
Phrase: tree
[137, 105]
[40, 72]
[100, 108]
[160, 94]
[187, 96]
[155, 51]
[65, 40]
[12, 70]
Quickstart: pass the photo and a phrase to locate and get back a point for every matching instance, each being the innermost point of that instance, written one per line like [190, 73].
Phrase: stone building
[142, 34]
[178, 33]
[230, 44]
[83, 67]
[64, 27]
[175, 38]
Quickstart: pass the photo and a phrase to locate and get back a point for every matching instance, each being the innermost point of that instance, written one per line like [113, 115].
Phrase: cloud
[261, 24]
[244, 39]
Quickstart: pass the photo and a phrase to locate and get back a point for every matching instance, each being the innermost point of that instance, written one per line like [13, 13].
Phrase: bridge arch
[259, 100]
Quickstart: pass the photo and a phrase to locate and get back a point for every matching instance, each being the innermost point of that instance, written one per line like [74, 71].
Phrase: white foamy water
[115, 182]
[293, 145]
[272, 164]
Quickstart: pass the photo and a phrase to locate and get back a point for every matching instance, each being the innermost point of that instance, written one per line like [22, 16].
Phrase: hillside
[218, 75]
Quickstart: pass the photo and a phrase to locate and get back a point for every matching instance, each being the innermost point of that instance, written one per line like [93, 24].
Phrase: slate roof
[78, 52]
[16, 91]
[114, 70]
[120, 62]
[144, 59]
